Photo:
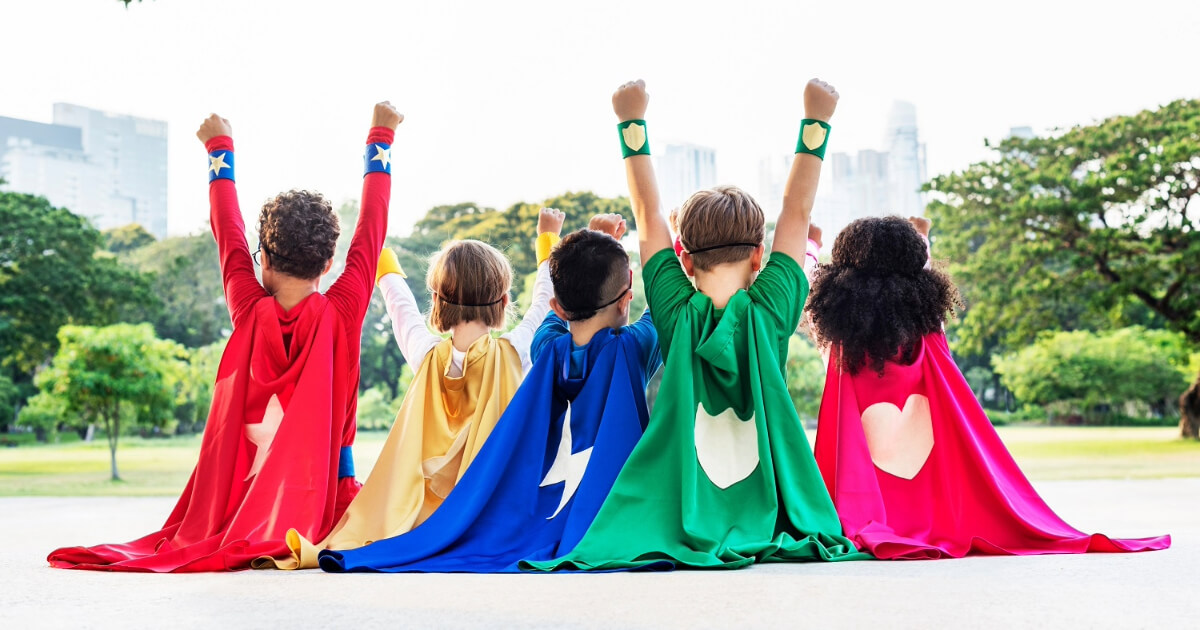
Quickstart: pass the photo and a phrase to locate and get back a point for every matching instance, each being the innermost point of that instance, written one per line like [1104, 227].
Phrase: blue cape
[510, 505]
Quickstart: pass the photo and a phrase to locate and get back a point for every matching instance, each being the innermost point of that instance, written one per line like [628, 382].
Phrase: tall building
[872, 182]
[682, 170]
[109, 168]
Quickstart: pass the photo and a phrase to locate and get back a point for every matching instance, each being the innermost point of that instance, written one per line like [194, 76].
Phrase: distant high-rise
[109, 168]
[875, 183]
[682, 170]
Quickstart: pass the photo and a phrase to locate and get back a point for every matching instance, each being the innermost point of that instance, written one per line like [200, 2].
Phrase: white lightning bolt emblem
[567, 467]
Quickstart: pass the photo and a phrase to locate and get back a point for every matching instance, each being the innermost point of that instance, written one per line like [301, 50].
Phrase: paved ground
[1150, 590]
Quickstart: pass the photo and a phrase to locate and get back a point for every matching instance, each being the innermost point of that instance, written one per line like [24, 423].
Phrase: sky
[510, 101]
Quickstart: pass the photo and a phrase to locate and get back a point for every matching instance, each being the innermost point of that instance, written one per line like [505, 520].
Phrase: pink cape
[969, 496]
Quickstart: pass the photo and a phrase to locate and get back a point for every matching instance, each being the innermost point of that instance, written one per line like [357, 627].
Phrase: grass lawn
[161, 466]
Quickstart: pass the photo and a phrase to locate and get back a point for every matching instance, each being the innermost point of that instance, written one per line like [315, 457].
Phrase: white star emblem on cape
[263, 434]
[383, 155]
[216, 163]
[567, 467]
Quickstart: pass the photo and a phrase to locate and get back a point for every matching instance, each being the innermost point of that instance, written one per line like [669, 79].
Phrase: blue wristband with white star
[378, 158]
[220, 165]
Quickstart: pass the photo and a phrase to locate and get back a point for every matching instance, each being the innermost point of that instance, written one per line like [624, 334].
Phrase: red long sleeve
[242, 288]
[351, 294]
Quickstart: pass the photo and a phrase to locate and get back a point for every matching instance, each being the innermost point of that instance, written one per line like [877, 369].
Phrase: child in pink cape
[914, 466]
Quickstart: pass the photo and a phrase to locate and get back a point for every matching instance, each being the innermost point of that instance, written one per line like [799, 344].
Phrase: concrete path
[1148, 590]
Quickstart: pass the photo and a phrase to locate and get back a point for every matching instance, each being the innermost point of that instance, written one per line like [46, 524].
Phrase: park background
[1075, 247]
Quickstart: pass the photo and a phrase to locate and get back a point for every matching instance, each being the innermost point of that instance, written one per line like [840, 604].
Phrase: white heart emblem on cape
[899, 441]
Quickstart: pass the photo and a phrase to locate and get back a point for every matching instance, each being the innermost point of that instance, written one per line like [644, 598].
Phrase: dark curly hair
[298, 231]
[875, 300]
[587, 269]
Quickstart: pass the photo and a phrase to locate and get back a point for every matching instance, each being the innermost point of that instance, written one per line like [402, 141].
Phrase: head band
[449, 301]
[608, 303]
[709, 249]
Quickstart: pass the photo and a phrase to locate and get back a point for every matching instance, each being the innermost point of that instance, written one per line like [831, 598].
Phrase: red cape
[968, 496]
[224, 520]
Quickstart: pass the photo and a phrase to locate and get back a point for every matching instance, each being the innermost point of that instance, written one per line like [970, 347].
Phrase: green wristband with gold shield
[633, 138]
[814, 137]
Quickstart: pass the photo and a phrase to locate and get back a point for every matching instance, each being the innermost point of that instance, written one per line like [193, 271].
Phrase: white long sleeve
[521, 337]
[408, 325]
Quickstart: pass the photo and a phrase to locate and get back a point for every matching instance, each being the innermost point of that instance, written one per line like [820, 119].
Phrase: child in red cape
[912, 462]
[276, 448]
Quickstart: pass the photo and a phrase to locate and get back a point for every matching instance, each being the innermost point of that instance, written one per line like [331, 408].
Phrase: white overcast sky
[509, 101]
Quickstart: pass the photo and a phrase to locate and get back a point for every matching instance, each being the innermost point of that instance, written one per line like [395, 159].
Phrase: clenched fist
[922, 224]
[814, 234]
[611, 224]
[212, 127]
[386, 116]
[629, 101]
[550, 220]
[820, 99]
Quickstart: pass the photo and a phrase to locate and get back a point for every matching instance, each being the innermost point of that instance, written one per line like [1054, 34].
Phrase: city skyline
[531, 117]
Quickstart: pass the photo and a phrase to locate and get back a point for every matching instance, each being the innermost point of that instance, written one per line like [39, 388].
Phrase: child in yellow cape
[460, 388]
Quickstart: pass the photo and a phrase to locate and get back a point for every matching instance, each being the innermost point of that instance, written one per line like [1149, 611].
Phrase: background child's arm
[791, 232]
[352, 291]
[922, 225]
[242, 288]
[550, 222]
[629, 103]
[408, 325]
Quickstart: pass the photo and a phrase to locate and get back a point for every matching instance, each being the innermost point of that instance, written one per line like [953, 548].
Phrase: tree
[127, 238]
[1096, 375]
[805, 376]
[1094, 227]
[186, 274]
[100, 373]
[198, 377]
[52, 274]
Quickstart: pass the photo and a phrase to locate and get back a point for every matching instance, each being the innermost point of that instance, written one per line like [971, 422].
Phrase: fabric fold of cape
[537, 484]
[724, 475]
[442, 424]
[240, 502]
[967, 496]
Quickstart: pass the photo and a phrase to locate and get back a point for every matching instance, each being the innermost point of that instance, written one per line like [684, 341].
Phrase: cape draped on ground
[440, 428]
[724, 475]
[967, 496]
[228, 514]
[529, 493]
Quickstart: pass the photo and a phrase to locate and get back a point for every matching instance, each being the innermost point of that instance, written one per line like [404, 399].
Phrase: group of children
[536, 451]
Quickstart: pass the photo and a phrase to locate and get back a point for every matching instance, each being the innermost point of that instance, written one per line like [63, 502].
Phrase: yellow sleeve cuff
[388, 263]
[545, 242]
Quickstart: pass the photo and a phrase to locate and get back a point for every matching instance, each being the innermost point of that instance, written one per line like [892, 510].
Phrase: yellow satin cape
[442, 424]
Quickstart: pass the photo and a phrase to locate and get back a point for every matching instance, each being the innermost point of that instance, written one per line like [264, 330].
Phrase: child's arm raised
[351, 294]
[791, 232]
[629, 103]
[550, 222]
[242, 289]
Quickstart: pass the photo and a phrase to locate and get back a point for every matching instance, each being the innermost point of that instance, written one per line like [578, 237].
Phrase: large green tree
[53, 273]
[186, 273]
[101, 374]
[1094, 227]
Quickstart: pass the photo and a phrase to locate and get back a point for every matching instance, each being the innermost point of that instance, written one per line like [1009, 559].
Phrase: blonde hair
[469, 280]
[724, 218]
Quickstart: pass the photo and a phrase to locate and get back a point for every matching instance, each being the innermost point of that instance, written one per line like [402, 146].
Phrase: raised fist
[922, 224]
[386, 116]
[820, 99]
[629, 101]
[550, 220]
[814, 234]
[611, 224]
[212, 127]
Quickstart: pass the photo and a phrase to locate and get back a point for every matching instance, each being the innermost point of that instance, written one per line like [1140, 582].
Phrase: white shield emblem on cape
[726, 446]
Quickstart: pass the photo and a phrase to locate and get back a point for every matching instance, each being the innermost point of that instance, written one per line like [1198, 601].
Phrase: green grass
[160, 467]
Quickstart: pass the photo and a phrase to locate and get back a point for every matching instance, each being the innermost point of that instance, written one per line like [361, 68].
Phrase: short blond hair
[725, 215]
[469, 280]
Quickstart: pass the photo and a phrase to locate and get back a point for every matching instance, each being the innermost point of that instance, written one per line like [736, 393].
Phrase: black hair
[875, 301]
[588, 269]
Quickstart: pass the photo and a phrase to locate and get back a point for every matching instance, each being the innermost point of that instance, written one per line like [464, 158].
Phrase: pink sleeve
[242, 288]
[351, 294]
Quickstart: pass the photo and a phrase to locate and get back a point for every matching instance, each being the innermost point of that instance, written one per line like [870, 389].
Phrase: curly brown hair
[875, 301]
[298, 231]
